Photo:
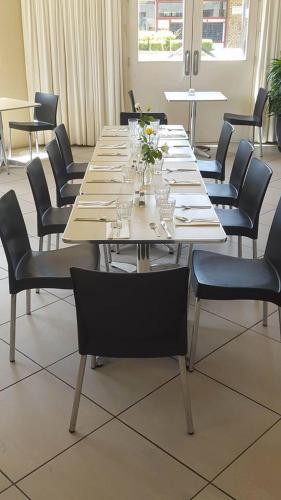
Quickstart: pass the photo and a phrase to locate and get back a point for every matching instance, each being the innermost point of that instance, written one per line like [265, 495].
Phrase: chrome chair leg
[117, 248]
[264, 313]
[253, 141]
[77, 396]
[109, 253]
[57, 241]
[30, 146]
[239, 246]
[13, 327]
[190, 255]
[93, 362]
[179, 250]
[105, 254]
[49, 242]
[279, 315]
[10, 144]
[28, 302]
[260, 137]
[194, 337]
[186, 395]
[36, 142]
[255, 249]
[40, 250]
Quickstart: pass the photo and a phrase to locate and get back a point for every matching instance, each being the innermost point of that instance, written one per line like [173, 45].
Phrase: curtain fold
[74, 48]
[269, 48]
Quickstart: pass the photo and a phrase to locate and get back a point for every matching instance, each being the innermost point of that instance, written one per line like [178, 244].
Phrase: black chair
[66, 193]
[29, 269]
[254, 120]
[215, 169]
[50, 220]
[45, 118]
[222, 277]
[229, 193]
[244, 220]
[160, 330]
[133, 102]
[124, 117]
[74, 170]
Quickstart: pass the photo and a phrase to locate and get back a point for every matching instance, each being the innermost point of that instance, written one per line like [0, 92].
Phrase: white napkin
[184, 183]
[124, 232]
[179, 154]
[104, 168]
[112, 146]
[196, 223]
[94, 204]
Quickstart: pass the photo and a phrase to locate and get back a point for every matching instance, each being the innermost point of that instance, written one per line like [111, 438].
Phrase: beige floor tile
[47, 335]
[113, 463]
[272, 330]
[214, 332]
[256, 474]
[225, 423]
[10, 373]
[243, 312]
[37, 301]
[4, 482]
[250, 364]
[34, 422]
[211, 493]
[12, 494]
[120, 382]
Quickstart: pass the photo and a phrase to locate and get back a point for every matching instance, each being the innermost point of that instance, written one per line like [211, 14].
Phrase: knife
[165, 227]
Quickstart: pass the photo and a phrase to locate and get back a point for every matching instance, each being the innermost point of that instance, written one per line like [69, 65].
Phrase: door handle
[196, 62]
[187, 62]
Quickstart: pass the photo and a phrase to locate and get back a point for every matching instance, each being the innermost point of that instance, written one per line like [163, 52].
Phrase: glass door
[175, 45]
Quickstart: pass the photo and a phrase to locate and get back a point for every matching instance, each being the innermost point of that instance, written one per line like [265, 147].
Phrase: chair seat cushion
[222, 277]
[54, 220]
[222, 194]
[241, 119]
[52, 269]
[236, 222]
[76, 170]
[34, 126]
[211, 169]
[68, 193]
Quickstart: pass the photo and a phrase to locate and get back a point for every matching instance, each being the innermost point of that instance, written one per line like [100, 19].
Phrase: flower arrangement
[144, 119]
[149, 150]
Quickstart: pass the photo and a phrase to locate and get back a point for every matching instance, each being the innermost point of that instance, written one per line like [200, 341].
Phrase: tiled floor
[130, 442]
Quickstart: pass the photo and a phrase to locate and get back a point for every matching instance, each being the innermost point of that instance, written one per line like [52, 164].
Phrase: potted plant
[274, 78]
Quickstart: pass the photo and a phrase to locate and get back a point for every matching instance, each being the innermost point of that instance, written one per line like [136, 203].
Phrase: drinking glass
[128, 172]
[157, 167]
[166, 210]
[162, 194]
[124, 209]
[155, 125]
[133, 128]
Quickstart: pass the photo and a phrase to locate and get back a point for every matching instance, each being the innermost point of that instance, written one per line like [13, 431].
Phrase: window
[160, 35]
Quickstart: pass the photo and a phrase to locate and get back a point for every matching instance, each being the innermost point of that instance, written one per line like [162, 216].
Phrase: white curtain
[269, 48]
[73, 48]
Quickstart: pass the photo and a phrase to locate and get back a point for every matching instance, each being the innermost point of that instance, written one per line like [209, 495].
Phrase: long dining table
[94, 212]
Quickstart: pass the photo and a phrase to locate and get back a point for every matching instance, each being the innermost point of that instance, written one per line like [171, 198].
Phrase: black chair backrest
[145, 320]
[224, 140]
[124, 117]
[13, 234]
[254, 188]
[260, 104]
[39, 188]
[57, 164]
[64, 144]
[132, 99]
[241, 161]
[272, 251]
[47, 112]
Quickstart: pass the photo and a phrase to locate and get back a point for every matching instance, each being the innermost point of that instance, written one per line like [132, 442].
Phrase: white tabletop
[96, 185]
[196, 97]
[7, 104]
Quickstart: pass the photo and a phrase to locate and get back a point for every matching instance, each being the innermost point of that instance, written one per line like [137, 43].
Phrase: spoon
[155, 228]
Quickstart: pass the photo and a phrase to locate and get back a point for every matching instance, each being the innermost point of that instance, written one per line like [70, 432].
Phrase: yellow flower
[149, 131]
